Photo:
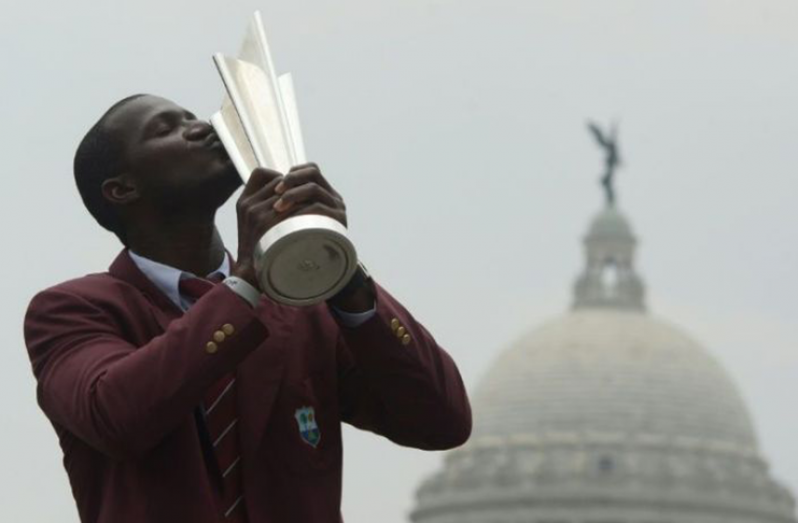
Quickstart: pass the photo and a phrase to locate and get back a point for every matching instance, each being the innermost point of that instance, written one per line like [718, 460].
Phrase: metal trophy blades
[304, 259]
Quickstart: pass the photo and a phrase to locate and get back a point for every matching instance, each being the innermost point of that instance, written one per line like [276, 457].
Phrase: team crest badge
[308, 429]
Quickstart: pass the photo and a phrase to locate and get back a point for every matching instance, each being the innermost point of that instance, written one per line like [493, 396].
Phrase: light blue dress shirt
[167, 279]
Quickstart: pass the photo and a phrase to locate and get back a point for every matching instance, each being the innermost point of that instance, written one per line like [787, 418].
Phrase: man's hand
[305, 191]
[269, 198]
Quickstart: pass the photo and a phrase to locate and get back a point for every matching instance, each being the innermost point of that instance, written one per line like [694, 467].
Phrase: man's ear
[120, 190]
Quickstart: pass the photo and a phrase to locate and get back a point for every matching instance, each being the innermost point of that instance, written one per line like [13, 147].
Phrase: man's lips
[214, 144]
[212, 141]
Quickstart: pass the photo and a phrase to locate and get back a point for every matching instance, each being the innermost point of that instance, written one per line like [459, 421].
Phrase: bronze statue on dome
[608, 142]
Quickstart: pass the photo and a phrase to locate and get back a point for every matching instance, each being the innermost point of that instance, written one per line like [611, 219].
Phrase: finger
[260, 217]
[264, 216]
[259, 177]
[308, 193]
[246, 202]
[264, 208]
[303, 174]
[303, 166]
[262, 193]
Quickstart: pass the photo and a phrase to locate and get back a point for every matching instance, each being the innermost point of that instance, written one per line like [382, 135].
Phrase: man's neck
[191, 244]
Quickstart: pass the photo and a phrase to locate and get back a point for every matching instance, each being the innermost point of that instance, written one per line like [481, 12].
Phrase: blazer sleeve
[401, 383]
[120, 398]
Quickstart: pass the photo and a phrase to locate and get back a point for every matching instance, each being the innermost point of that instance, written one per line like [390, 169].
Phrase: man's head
[148, 156]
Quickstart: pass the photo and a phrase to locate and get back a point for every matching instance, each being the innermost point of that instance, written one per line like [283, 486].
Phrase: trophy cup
[304, 259]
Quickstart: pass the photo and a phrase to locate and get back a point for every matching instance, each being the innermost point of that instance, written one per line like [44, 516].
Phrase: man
[176, 399]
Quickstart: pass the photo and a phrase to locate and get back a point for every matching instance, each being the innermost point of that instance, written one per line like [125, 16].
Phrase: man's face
[175, 160]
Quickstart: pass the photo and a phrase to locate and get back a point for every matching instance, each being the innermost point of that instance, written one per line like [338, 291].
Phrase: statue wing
[596, 131]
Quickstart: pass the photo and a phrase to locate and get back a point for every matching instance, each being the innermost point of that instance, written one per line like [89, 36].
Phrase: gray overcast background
[455, 130]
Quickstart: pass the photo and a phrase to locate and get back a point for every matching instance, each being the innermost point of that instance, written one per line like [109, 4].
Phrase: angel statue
[608, 142]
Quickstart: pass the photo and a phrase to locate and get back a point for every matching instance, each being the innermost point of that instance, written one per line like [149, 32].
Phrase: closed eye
[159, 126]
[162, 129]
[166, 122]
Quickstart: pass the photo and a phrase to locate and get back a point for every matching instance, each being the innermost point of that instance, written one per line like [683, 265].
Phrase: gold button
[394, 324]
[401, 331]
[228, 329]
[219, 336]
[211, 348]
[406, 339]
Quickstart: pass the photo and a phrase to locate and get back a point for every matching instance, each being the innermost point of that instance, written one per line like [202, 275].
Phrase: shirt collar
[167, 278]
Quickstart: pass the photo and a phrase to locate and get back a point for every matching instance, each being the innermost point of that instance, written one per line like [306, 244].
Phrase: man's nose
[197, 130]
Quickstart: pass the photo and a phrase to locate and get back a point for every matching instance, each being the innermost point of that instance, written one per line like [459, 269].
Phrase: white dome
[613, 372]
[603, 416]
[606, 414]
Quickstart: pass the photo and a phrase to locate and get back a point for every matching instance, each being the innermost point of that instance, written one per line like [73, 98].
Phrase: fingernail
[280, 189]
[279, 205]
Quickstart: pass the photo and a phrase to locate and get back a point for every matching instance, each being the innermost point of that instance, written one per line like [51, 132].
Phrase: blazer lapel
[259, 378]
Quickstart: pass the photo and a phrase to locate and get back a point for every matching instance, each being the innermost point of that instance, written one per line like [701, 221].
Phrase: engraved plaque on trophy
[304, 259]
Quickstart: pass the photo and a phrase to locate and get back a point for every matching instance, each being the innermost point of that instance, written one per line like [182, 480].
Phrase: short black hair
[100, 156]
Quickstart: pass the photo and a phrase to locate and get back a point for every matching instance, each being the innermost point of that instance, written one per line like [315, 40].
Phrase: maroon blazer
[121, 370]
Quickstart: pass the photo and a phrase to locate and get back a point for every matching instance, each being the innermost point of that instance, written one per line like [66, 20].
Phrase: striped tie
[221, 418]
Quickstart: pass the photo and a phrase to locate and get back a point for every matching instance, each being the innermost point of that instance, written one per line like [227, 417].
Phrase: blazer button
[394, 324]
[228, 329]
[401, 331]
[219, 336]
[406, 339]
[211, 348]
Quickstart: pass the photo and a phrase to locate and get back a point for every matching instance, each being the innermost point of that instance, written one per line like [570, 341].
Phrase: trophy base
[305, 260]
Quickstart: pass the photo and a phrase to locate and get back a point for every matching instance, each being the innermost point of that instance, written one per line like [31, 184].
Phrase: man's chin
[216, 187]
[231, 181]
[230, 172]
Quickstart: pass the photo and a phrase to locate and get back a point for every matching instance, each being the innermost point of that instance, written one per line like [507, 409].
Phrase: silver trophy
[304, 259]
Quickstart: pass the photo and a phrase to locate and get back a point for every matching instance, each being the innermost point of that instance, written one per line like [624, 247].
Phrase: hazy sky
[455, 131]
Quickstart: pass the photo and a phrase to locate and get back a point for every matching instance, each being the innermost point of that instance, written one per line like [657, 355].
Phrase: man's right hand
[256, 215]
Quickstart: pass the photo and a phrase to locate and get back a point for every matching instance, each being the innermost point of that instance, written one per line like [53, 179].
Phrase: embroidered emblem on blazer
[308, 429]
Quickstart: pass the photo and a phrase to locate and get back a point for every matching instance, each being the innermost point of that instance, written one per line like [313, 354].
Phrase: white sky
[455, 130]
